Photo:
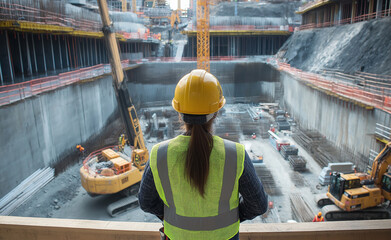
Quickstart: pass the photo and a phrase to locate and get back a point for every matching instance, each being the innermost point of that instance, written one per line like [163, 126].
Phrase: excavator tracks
[333, 213]
[123, 205]
[322, 200]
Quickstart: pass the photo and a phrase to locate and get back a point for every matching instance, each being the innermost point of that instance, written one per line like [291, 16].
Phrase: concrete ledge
[240, 33]
[50, 228]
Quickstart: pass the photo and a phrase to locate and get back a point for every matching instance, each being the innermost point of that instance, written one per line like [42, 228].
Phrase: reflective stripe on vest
[225, 216]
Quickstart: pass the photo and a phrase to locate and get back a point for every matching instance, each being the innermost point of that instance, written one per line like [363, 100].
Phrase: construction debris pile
[107, 162]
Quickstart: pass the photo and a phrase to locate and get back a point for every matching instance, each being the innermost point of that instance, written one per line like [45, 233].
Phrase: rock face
[364, 46]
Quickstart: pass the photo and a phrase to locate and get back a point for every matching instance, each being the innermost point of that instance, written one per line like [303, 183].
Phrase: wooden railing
[58, 229]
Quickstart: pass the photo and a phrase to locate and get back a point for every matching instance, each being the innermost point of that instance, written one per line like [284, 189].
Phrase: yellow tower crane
[124, 7]
[203, 51]
[134, 6]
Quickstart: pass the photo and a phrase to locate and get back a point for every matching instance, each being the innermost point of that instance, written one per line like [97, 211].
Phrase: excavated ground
[65, 198]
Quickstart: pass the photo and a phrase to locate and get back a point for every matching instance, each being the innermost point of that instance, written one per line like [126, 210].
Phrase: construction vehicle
[359, 196]
[110, 171]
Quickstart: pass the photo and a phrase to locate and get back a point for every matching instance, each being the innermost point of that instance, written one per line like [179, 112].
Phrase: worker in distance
[200, 185]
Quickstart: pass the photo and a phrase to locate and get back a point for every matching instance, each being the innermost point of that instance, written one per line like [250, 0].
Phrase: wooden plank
[59, 229]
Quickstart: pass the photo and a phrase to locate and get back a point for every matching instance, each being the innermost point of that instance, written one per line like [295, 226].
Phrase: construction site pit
[291, 192]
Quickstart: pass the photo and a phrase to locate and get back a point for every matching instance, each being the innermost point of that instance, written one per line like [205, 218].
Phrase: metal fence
[364, 17]
[19, 91]
[368, 92]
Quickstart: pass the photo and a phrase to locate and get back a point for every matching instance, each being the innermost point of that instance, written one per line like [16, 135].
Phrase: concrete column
[80, 55]
[96, 53]
[59, 50]
[67, 52]
[211, 46]
[51, 46]
[379, 8]
[1, 76]
[44, 55]
[84, 51]
[100, 51]
[29, 66]
[370, 10]
[9, 58]
[318, 20]
[354, 7]
[273, 45]
[91, 52]
[88, 52]
[34, 54]
[332, 10]
[218, 46]
[20, 55]
[337, 13]
[389, 8]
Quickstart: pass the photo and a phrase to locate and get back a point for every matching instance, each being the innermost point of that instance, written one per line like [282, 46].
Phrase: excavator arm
[125, 104]
[380, 164]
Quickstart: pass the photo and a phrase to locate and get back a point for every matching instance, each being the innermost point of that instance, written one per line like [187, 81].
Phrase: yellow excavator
[359, 196]
[109, 171]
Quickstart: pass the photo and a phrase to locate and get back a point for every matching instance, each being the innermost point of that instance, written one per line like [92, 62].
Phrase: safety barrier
[191, 27]
[361, 18]
[19, 91]
[194, 59]
[366, 91]
[29, 228]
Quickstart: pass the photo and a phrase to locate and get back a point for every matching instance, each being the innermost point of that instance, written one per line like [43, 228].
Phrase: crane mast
[203, 50]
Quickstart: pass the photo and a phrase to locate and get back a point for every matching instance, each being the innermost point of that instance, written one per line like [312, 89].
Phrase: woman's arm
[254, 200]
[148, 197]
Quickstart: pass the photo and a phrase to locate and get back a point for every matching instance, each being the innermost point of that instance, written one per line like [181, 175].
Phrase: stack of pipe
[25, 190]
[300, 208]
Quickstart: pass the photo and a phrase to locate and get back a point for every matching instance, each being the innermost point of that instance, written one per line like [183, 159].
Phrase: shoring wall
[40, 131]
[347, 125]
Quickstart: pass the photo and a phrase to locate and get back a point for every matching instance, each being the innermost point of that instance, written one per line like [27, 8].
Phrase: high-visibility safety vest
[318, 219]
[187, 215]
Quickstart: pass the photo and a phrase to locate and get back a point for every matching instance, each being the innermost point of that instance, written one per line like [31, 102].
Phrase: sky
[174, 4]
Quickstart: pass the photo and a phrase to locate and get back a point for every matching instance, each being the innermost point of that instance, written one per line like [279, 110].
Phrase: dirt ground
[64, 197]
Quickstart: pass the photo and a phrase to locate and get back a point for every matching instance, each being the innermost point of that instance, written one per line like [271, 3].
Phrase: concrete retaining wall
[347, 125]
[155, 82]
[39, 131]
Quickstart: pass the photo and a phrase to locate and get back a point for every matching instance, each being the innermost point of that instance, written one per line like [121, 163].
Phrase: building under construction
[307, 85]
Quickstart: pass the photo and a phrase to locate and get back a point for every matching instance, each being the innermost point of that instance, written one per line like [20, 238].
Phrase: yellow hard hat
[319, 214]
[198, 93]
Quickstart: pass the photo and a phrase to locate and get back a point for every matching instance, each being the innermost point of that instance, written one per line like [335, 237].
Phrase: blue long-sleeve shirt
[253, 201]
